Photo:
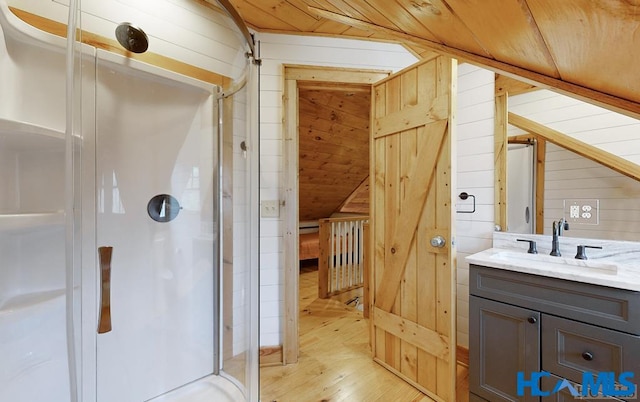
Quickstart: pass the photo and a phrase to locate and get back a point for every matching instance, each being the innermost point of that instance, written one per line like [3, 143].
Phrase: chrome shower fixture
[132, 38]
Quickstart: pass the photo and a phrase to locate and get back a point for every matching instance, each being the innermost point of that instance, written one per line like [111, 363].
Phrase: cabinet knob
[588, 356]
[532, 320]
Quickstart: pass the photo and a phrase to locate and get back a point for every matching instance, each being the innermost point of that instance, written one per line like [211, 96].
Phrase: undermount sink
[542, 260]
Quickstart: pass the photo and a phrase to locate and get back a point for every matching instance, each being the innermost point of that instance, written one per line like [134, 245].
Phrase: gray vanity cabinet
[528, 323]
[506, 340]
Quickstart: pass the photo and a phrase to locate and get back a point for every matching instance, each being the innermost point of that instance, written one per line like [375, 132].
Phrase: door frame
[292, 75]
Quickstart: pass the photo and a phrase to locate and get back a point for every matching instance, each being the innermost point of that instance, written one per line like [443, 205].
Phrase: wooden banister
[341, 252]
[366, 277]
[324, 239]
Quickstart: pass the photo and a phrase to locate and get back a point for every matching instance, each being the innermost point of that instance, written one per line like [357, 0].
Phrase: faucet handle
[532, 246]
[581, 255]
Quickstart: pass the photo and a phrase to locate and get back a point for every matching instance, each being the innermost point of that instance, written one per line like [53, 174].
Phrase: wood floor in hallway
[335, 361]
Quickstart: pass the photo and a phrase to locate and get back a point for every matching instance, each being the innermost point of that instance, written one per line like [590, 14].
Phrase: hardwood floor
[335, 361]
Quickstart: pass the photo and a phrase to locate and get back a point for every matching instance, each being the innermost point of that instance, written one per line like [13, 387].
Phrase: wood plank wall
[475, 176]
[113, 46]
[333, 137]
[358, 201]
[206, 48]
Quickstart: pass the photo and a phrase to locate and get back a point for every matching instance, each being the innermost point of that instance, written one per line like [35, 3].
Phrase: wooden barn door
[413, 261]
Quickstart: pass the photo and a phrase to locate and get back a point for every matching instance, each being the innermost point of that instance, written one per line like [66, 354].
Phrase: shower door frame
[232, 151]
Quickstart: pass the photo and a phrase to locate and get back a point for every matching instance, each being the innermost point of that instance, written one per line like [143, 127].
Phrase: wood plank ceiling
[333, 146]
[585, 47]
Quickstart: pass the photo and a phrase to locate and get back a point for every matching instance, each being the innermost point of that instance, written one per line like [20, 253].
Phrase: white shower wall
[31, 92]
[32, 233]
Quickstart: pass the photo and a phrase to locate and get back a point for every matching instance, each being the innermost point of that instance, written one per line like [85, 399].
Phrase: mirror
[566, 181]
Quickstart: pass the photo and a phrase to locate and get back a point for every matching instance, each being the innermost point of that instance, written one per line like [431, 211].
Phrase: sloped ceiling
[358, 202]
[585, 47]
[333, 147]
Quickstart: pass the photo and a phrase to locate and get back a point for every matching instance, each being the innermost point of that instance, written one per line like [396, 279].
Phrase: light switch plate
[270, 209]
[583, 211]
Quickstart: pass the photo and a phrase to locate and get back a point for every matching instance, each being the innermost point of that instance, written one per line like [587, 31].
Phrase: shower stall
[128, 226]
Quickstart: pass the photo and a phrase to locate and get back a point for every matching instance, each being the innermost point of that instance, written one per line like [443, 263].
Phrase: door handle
[438, 241]
[104, 315]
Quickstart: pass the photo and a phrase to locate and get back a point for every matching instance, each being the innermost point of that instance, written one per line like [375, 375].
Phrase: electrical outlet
[270, 209]
[585, 212]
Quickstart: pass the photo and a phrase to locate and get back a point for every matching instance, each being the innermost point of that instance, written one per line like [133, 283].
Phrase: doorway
[325, 85]
[333, 152]
[418, 177]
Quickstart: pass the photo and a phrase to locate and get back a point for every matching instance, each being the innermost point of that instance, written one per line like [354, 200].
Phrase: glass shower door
[157, 219]
[239, 275]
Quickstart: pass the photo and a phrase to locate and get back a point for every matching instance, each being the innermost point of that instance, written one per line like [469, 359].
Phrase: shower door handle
[104, 315]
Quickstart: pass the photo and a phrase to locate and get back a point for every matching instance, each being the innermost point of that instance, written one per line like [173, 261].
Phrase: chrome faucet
[558, 228]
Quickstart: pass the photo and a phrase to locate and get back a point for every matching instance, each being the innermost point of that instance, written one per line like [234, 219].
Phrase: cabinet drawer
[603, 306]
[564, 395]
[570, 348]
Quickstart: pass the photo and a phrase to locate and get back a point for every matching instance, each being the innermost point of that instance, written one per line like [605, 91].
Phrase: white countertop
[617, 265]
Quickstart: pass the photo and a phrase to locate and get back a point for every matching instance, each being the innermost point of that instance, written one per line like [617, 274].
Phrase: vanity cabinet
[528, 323]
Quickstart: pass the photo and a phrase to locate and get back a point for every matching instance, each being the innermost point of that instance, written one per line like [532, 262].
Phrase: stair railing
[342, 251]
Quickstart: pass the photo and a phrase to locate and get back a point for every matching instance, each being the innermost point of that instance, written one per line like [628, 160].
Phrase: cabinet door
[503, 341]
